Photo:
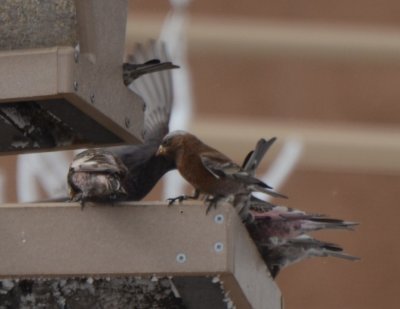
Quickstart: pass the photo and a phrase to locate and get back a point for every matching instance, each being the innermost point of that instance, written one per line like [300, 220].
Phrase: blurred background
[321, 76]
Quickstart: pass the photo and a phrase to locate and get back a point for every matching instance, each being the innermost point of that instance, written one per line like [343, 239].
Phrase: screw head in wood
[219, 247]
[181, 258]
[219, 218]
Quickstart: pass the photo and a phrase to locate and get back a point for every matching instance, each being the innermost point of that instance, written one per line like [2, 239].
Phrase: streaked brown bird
[209, 171]
[142, 168]
[97, 175]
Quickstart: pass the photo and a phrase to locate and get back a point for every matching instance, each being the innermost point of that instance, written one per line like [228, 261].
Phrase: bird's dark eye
[166, 143]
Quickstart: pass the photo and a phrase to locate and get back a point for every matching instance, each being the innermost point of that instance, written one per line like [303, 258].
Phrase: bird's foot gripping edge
[183, 197]
[212, 202]
[179, 198]
[79, 197]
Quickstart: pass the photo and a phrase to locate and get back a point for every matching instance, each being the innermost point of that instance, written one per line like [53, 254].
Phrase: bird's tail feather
[316, 247]
[258, 188]
[254, 157]
[133, 71]
[343, 255]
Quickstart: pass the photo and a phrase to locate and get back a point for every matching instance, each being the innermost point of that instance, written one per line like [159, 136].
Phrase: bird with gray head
[209, 171]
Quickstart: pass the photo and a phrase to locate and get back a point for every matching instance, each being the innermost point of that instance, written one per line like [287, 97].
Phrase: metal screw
[127, 122]
[219, 247]
[181, 258]
[92, 98]
[76, 85]
[219, 219]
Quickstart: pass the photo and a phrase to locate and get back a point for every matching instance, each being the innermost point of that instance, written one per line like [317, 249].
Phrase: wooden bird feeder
[61, 76]
[61, 87]
[200, 251]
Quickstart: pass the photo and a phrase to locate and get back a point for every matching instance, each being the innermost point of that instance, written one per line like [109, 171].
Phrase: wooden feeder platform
[209, 255]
